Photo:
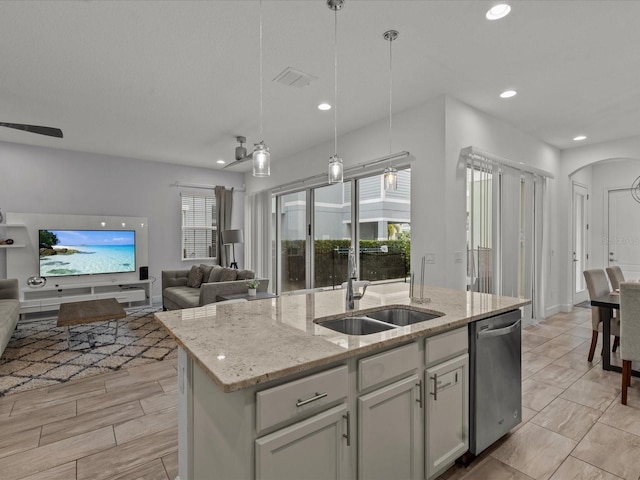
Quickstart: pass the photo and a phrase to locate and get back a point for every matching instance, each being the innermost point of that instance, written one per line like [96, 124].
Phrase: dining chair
[598, 285]
[616, 277]
[629, 331]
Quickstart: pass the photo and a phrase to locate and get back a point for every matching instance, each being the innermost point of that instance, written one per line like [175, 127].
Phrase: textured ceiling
[176, 81]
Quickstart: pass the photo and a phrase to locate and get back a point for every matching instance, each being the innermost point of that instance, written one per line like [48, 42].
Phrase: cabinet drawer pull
[419, 399]
[347, 435]
[435, 386]
[317, 396]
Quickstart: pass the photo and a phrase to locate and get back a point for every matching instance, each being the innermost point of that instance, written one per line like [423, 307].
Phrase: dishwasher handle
[499, 331]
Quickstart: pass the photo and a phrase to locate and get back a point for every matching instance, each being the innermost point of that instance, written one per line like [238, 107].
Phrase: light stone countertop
[243, 344]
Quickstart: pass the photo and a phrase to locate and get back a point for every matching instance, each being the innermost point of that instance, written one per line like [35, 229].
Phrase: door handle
[419, 399]
[499, 331]
[347, 435]
[435, 386]
[317, 396]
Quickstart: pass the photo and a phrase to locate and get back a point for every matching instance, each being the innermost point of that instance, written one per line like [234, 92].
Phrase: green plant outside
[331, 260]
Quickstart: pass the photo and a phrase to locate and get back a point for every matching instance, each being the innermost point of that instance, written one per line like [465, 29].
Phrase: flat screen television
[86, 252]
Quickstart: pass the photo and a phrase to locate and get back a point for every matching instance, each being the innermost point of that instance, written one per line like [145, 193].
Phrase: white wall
[44, 180]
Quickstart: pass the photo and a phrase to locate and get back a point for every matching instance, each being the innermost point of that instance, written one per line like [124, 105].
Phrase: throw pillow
[206, 272]
[245, 274]
[195, 277]
[216, 273]
[229, 275]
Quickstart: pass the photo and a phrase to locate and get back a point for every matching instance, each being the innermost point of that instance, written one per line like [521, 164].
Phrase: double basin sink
[375, 322]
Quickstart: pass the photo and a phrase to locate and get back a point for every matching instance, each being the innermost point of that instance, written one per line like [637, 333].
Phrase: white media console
[22, 262]
[134, 294]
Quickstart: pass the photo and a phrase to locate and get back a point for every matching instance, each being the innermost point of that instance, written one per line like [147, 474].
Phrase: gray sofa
[9, 310]
[180, 291]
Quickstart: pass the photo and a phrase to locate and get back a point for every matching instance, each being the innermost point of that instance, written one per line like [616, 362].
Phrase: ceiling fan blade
[48, 131]
[238, 162]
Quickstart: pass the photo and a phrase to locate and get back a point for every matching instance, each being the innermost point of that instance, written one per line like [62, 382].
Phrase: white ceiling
[176, 81]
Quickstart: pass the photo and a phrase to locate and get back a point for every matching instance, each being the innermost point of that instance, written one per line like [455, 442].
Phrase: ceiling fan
[48, 131]
[241, 153]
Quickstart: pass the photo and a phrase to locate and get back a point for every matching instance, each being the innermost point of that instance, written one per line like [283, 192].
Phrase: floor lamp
[231, 237]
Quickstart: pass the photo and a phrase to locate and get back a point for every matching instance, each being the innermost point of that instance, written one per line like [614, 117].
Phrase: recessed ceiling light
[220, 161]
[580, 137]
[508, 94]
[498, 11]
[324, 106]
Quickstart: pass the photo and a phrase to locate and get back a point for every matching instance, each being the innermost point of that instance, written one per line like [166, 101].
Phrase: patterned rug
[37, 354]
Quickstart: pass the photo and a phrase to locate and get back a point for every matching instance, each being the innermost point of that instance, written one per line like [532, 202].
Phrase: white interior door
[580, 255]
[624, 232]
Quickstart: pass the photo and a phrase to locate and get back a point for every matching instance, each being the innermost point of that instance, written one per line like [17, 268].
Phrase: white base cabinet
[389, 432]
[397, 414]
[447, 415]
[311, 449]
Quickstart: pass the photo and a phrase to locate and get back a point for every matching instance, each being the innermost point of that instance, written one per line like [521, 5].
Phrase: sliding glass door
[384, 228]
[504, 233]
[332, 234]
[293, 244]
[316, 227]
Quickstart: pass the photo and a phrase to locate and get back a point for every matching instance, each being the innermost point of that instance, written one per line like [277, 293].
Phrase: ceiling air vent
[294, 78]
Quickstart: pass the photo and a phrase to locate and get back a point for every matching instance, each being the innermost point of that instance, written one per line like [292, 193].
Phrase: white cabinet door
[312, 449]
[447, 415]
[390, 432]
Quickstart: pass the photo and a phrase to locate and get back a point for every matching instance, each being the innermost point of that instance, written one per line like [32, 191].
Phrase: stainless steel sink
[401, 317]
[356, 325]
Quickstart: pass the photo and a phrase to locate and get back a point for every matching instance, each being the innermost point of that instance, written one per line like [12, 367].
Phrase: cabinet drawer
[300, 398]
[387, 366]
[55, 302]
[446, 345]
[124, 296]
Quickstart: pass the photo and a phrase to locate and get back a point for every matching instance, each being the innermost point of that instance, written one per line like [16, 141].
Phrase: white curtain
[541, 221]
[258, 241]
[510, 228]
[509, 251]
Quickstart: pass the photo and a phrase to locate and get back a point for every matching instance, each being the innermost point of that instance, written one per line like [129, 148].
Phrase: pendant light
[335, 162]
[390, 174]
[261, 155]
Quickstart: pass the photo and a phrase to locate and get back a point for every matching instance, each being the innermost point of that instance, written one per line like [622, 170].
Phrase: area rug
[585, 304]
[37, 354]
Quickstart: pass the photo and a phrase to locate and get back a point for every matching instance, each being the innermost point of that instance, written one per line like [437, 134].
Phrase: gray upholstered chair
[616, 277]
[598, 285]
[629, 331]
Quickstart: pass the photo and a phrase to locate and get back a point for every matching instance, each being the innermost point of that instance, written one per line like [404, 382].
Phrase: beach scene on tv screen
[86, 252]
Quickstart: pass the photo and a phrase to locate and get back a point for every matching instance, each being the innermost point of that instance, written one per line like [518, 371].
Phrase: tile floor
[120, 425]
[123, 425]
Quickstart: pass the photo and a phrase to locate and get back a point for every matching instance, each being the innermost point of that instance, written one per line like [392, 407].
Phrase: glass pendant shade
[390, 178]
[261, 160]
[335, 169]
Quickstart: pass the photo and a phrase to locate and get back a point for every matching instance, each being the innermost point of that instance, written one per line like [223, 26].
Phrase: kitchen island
[266, 392]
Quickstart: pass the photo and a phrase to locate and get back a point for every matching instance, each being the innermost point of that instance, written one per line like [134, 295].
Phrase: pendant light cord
[261, 139]
[335, 83]
[390, 91]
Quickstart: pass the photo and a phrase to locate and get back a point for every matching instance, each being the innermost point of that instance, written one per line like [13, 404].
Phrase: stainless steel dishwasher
[495, 378]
